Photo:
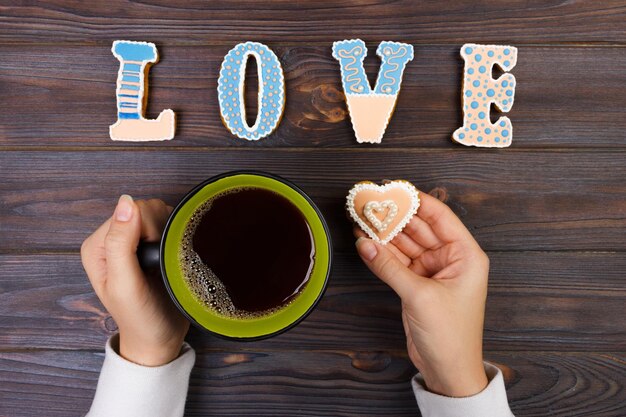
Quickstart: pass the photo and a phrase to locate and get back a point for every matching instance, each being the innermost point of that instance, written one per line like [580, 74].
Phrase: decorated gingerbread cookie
[132, 95]
[271, 96]
[480, 90]
[370, 110]
[382, 211]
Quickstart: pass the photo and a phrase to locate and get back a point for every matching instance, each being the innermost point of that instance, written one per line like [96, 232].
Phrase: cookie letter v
[370, 110]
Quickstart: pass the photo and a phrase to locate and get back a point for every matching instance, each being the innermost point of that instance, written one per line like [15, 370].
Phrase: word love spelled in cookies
[370, 109]
[382, 211]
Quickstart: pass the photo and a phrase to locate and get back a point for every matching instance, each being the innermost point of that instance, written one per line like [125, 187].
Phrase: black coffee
[248, 252]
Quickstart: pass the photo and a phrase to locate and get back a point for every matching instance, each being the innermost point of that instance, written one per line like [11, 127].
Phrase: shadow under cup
[254, 327]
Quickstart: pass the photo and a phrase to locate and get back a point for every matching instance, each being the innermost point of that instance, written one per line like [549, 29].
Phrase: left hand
[151, 329]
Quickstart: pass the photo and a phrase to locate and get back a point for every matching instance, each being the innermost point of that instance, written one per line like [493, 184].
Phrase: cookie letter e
[230, 89]
[480, 90]
[370, 111]
[132, 94]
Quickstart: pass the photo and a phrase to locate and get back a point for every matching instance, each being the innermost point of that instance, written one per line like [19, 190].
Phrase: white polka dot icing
[371, 109]
[480, 90]
[271, 96]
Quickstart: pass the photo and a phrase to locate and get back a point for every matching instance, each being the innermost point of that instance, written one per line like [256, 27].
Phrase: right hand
[440, 273]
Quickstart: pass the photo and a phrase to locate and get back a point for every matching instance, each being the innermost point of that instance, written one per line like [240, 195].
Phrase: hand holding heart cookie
[382, 211]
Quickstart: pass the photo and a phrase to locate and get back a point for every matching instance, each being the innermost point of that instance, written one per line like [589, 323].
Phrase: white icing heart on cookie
[379, 206]
[382, 211]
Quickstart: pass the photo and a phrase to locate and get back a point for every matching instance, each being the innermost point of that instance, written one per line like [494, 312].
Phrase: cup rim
[193, 192]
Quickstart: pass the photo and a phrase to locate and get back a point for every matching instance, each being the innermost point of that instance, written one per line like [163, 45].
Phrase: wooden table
[550, 210]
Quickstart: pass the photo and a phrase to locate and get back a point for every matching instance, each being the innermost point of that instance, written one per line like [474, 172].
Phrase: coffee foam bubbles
[201, 280]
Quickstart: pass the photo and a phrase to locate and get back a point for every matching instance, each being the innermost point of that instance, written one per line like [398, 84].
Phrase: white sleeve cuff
[490, 402]
[127, 389]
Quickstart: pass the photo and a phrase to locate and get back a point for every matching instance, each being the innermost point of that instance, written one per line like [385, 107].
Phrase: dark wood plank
[510, 200]
[537, 301]
[562, 99]
[197, 22]
[317, 383]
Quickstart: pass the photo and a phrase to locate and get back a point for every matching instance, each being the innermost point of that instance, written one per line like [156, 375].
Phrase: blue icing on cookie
[135, 51]
[130, 75]
[350, 54]
[394, 57]
[230, 88]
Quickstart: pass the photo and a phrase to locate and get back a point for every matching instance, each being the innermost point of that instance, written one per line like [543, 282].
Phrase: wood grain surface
[510, 200]
[314, 383]
[550, 211]
[534, 304]
[285, 21]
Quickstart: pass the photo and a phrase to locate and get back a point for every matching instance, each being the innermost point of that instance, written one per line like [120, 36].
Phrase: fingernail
[366, 248]
[124, 209]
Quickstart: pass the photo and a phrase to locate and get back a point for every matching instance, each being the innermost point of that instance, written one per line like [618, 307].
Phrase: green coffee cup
[165, 255]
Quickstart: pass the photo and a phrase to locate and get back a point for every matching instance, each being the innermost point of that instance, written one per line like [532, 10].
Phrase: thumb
[386, 266]
[122, 239]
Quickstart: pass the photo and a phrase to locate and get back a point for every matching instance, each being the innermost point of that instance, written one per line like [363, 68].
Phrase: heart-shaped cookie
[382, 211]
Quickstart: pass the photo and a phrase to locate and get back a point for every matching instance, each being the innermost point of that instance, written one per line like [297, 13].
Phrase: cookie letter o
[230, 91]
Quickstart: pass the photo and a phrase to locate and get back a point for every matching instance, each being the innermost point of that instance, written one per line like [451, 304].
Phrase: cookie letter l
[480, 90]
[132, 90]
[370, 111]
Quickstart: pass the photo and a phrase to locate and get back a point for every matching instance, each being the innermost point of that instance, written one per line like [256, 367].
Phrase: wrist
[146, 354]
[459, 382]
